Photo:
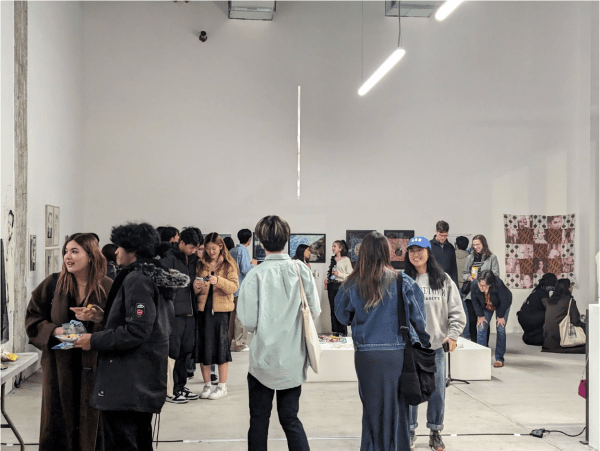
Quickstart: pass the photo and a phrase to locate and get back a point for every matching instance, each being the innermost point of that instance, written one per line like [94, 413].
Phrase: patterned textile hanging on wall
[538, 244]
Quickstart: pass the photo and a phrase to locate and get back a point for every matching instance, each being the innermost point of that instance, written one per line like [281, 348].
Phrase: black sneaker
[413, 439]
[179, 398]
[187, 394]
[214, 379]
[435, 441]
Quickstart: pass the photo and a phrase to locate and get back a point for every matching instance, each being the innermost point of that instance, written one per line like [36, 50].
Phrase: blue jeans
[465, 333]
[500, 334]
[436, 404]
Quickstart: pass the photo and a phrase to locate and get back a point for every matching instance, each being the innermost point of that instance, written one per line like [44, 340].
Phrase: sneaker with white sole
[178, 398]
[218, 393]
[206, 391]
[435, 441]
[189, 395]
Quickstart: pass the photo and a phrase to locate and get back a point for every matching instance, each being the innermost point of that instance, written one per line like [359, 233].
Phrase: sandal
[498, 364]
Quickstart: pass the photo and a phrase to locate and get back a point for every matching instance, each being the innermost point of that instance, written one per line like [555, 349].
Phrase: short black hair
[142, 239]
[273, 232]
[244, 235]
[167, 233]
[199, 233]
[462, 242]
[189, 236]
[442, 226]
[229, 244]
[109, 252]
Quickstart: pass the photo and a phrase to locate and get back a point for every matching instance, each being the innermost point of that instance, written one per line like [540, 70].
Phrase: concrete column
[20, 228]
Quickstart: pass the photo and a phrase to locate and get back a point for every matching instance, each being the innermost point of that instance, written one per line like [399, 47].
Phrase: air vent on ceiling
[411, 9]
[251, 10]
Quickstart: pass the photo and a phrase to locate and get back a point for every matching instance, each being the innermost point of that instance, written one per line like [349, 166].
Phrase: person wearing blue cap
[446, 320]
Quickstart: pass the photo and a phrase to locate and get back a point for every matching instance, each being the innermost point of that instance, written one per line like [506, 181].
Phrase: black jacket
[500, 296]
[184, 300]
[446, 257]
[132, 362]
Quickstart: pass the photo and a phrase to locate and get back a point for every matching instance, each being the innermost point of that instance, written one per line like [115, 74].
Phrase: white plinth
[594, 379]
[336, 365]
[470, 361]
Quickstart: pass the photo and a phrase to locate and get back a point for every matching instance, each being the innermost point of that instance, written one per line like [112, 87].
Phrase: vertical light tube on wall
[298, 143]
[383, 69]
[446, 9]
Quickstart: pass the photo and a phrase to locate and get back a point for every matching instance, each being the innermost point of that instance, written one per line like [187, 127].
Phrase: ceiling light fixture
[387, 64]
[446, 9]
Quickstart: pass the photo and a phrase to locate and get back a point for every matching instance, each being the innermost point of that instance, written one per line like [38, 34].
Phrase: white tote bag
[309, 331]
[570, 335]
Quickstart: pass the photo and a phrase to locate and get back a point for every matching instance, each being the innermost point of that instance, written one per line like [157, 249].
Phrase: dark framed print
[49, 228]
[258, 252]
[314, 241]
[398, 240]
[354, 239]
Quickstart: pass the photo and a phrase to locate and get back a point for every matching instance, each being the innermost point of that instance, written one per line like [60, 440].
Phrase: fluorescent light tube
[383, 69]
[446, 9]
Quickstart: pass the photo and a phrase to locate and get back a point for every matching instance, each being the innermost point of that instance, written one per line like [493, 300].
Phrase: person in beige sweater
[339, 269]
[216, 282]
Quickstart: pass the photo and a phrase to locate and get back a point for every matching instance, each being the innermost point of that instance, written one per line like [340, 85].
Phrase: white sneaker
[218, 393]
[206, 392]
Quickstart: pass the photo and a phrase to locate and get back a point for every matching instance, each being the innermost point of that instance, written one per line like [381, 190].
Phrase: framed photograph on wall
[258, 251]
[48, 232]
[56, 260]
[398, 243]
[315, 242]
[354, 239]
[48, 262]
[32, 252]
[55, 226]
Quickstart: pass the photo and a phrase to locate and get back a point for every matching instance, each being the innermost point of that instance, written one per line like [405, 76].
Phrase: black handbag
[466, 287]
[417, 381]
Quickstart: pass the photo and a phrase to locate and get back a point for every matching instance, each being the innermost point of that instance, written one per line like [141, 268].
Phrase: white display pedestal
[471, 362]
[594, 375]
[336, 364]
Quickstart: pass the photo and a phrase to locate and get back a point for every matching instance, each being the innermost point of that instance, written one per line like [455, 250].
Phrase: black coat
[446, 257]
[184, 299]
[500, 296]
[133, 347]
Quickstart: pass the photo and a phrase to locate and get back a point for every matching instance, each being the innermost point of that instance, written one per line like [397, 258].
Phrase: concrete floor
[532, 391]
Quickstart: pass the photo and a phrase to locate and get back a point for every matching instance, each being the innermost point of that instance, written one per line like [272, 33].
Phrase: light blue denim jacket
[377, 329]
[242, 257]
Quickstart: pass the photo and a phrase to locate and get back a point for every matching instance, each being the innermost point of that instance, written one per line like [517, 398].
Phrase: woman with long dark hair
[79, 291]
[557, 308]
[480, 259]
[215, 301]
[369, 301]
[303, 254]
[489, 296]
[446, 320]
[340, 268]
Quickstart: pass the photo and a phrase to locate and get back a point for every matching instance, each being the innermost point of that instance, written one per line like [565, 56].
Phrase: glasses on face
[482, 286]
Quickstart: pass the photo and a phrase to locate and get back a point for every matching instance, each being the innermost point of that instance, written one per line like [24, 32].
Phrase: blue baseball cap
[420, 241]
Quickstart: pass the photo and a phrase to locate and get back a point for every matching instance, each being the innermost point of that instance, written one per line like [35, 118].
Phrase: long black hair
[561, 291]
[435, 273]
[300, 253]
[547, 282]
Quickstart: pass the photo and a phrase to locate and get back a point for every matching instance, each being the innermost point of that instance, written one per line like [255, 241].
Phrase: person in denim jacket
[368, 301]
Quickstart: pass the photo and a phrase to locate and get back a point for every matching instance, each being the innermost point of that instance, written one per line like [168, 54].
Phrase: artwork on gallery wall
[314, 241]
[32, 252]
[48, 262]
[258, 252]
[55, 226]
[398, 243]
[538, 244]
[49, 228]
[56, 260]
[225, 235]
[354, 239]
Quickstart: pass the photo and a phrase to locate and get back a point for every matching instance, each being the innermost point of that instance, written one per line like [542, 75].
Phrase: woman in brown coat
[68, 422]
[215, 302]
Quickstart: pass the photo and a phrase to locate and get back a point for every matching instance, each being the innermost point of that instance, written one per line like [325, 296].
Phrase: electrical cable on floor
[539, 433]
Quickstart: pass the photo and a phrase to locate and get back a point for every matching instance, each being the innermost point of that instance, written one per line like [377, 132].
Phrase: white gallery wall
[488, 113]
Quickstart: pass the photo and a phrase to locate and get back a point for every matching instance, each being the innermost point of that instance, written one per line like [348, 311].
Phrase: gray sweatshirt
[444, 310]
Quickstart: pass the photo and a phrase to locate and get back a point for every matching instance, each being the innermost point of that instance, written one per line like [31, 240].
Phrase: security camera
[203, 36]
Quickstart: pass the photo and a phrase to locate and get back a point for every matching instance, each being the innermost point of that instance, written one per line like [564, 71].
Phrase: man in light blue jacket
[269, 305]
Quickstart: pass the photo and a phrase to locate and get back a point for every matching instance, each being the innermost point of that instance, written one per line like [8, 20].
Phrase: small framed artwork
[49, 225]
[398, 240]
[32, 252]
[48, 262]
[354, 239]
[258, 252]
[55, 226]
[56, 260]
[315, 242]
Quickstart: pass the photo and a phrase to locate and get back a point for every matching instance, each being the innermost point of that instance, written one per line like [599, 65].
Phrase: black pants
[336, 326]
[182, 339]
[127, 430]
[261, 404]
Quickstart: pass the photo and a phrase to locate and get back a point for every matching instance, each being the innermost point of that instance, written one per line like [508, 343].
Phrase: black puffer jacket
[500, 296]
[132, 362]
[184, 299]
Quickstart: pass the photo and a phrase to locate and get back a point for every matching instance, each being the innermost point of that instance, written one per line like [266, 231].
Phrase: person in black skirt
[339, 269]
[216, 282]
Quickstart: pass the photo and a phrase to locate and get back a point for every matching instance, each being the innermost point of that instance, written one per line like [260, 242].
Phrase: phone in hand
[446, 346]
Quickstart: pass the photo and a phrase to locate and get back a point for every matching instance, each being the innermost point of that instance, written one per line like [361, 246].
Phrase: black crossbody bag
[417, 382]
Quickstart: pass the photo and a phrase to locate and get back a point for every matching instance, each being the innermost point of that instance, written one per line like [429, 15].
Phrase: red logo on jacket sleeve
[139, 310]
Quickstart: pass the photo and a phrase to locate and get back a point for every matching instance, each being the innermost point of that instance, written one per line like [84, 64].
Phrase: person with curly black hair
[131, 379]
